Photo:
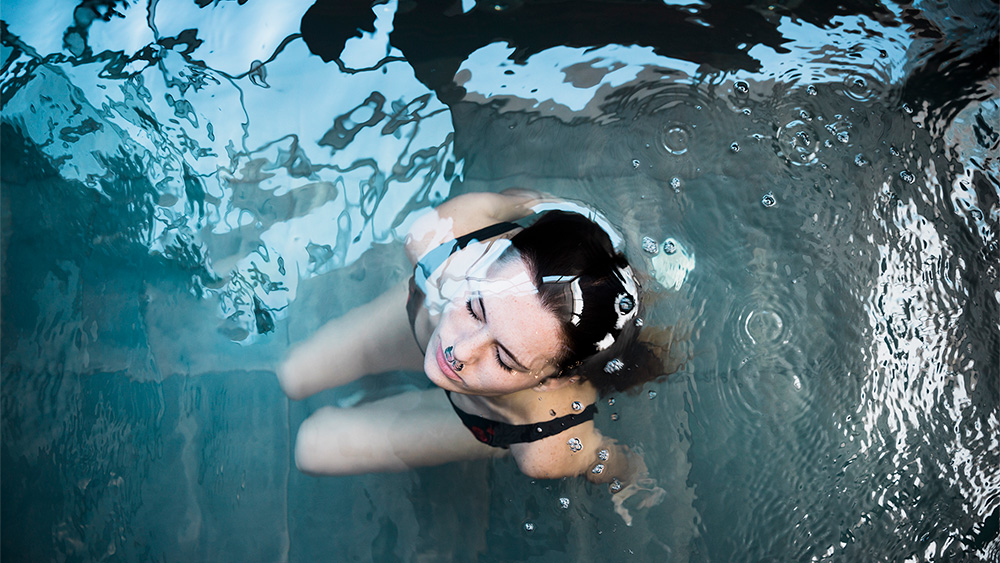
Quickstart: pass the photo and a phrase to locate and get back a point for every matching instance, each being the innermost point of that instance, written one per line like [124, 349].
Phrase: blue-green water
[187, 189]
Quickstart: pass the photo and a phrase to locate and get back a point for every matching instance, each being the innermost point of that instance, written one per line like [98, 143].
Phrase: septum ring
[449, 356]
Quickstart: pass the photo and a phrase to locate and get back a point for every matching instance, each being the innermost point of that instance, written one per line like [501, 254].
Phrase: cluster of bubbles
[574, 444]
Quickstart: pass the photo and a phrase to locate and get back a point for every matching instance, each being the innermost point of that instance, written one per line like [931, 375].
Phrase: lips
[445, 367]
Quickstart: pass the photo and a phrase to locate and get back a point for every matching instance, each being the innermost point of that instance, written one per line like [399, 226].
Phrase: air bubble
[614, 417]
[860, 160]
[893, 150]
[805, 115]
[611, 401]
[598, 469]
[650, 245]
[843, 136]
[735, 147]
[564, 503]
[907, 108]
[615, 486]
[604, 455]
[907, 176]
[635, 163]
[675, 183]
[574, 444]
[529, 527]
[811, 90]
[577, 406]
[652, 394]
[669, 246]
[768, 200]
[741, 87]
[746, 111]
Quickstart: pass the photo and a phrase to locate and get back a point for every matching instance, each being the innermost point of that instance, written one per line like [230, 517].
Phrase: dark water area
[189, 189]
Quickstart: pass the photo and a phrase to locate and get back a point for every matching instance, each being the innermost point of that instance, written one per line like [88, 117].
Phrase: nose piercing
[449, 356]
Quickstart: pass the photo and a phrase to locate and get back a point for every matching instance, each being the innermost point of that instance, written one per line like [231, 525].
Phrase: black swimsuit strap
[502, 435]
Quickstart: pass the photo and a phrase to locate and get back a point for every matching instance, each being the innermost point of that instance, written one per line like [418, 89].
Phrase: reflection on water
[186, 190]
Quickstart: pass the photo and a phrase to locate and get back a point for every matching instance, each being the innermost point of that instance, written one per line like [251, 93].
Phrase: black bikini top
[502, 435]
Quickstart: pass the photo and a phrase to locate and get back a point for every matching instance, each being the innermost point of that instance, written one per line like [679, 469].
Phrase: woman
[522, 327]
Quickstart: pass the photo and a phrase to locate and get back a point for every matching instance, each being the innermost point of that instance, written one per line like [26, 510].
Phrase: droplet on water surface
[611, 401]
[615, 485]
[860, 160]
[675, 140]
[652, 394]
[811, 90]
[907, 176]
[635, 163]
[577, 406]
[614, 417]
[598, 469]
[528, 527]
[741, 87]
[675, 183]
[735, 147]
[768, 200]
[650, 245]
[603, 455]
[843, 136]
[669, 246]
[564, 502]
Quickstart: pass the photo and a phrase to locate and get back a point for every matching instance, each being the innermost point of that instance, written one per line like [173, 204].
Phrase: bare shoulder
[464, 214]
[570, 453]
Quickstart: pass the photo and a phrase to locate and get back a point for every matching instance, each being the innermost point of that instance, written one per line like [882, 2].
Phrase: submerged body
[475, 323]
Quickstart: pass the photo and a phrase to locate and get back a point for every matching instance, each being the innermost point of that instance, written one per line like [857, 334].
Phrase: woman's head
[591, 289]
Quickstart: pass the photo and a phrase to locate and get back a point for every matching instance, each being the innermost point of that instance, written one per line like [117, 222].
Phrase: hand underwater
[647, 493]
[641, 486]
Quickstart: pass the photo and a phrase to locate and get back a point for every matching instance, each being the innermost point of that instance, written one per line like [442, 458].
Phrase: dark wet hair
[561, 248]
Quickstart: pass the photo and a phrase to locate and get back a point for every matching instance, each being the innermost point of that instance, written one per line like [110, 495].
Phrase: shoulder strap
[502, 435]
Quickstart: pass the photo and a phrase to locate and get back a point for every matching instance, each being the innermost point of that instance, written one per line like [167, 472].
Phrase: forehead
[516, 316]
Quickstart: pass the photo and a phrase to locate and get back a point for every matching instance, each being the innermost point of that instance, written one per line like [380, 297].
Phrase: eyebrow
[522, 367]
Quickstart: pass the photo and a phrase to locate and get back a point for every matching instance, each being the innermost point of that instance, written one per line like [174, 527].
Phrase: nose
[470, 346]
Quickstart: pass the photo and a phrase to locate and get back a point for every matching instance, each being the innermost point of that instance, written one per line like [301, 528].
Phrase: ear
[552, 382]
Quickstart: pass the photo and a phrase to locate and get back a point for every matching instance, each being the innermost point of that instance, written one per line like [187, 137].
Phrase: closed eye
[468, 307]
[472, 313]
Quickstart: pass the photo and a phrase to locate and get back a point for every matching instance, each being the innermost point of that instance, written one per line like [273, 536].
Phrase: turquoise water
[187, 189]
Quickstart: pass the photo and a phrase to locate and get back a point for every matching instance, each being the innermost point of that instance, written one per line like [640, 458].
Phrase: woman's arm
[600, 460]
